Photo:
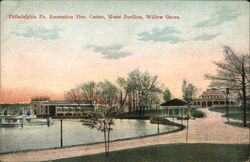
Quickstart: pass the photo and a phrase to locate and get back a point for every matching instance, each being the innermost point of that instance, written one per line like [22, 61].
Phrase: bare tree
[103, 119]
[104, 99]
[188, 92]
[86, 92]
[234, 73]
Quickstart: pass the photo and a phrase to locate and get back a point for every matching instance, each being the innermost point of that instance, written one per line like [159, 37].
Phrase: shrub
[198, 114]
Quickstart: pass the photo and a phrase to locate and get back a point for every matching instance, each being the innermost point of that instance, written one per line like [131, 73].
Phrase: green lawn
[231, 109]
[174, 153]
[237, 116]
[234, 112]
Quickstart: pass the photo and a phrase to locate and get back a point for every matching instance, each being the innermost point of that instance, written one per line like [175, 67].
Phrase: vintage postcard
[130, 81]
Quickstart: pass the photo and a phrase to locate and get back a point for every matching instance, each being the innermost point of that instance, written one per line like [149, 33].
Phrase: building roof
[215, 91]
[174, 102]
[65, 102]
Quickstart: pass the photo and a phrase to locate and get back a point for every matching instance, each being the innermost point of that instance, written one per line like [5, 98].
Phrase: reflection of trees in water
[132, 128]
[141, 124]
[48, 137]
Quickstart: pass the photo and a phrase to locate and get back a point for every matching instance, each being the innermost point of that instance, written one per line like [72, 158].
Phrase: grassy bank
[173, 153]
[159, 112]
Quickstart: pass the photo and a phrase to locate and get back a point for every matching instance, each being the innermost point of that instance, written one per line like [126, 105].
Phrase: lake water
[74, 133]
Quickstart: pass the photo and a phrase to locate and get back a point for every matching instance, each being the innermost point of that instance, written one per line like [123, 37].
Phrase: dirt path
[211, 129]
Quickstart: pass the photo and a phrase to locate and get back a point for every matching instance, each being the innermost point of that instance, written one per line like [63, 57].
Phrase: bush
[198, 114]
[131, 116]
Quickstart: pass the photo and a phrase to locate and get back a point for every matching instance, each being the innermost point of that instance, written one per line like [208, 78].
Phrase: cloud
[167, 34]
[219, 17]
[110, 52]
[39, 33]
[206, 37]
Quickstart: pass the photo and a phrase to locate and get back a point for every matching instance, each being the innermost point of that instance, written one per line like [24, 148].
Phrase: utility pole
[188, 116]
[61, 134]
[158, 125]
[227, 109]
[158, 131]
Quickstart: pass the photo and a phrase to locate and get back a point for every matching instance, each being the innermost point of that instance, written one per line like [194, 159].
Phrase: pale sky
[49, 57]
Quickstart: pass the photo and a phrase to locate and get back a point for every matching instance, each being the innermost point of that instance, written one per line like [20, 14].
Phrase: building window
[222, 102]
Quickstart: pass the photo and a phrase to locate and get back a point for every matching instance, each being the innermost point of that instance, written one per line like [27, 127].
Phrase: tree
[188, 92]
[166, 95]
[103, 98]
[234, 73]
[141, 88]
[154, 99]
[85, 92]
[124, 89]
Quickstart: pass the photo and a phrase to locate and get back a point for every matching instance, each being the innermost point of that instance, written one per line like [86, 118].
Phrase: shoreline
[211, 129]
[180, 128]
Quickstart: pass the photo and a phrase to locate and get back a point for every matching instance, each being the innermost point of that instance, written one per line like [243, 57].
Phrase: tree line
[134, 93]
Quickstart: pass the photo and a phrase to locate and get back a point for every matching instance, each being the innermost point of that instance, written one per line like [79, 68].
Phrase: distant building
[15, 109]
[57, 108]
[214, 97]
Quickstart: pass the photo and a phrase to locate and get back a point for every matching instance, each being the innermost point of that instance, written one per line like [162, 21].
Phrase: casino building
[60, 108]
[214, 97]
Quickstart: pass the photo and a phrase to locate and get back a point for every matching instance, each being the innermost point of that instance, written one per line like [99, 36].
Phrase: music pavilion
[175, 107]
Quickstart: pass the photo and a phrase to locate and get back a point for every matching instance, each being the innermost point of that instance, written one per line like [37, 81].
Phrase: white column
[56, 110]
[3, 121]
